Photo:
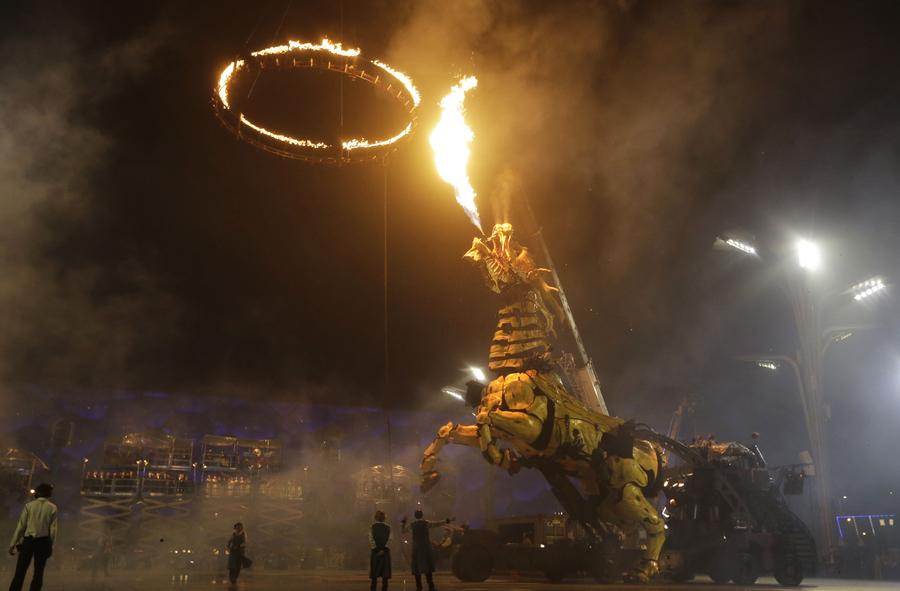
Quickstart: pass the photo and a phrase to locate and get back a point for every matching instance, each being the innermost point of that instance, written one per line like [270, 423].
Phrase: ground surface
[349, 581]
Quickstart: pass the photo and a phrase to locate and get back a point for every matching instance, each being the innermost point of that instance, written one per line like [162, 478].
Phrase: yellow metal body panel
[526, 412]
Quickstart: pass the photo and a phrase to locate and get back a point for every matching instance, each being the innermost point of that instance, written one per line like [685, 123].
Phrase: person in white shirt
[34, 538]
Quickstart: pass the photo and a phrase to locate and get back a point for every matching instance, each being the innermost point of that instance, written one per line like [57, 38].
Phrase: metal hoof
[429, 480]
[643, 574]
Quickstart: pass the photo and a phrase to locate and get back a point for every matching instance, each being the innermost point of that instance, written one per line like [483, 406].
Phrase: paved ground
[349, 581]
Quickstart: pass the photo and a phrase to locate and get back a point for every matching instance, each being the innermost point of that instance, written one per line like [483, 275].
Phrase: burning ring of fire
[323, 56]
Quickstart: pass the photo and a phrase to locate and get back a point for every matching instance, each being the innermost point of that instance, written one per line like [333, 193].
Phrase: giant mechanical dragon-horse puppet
[525, 416]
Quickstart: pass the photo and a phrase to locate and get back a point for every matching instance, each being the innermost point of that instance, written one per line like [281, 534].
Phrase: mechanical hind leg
[449, 433]
[629, 510]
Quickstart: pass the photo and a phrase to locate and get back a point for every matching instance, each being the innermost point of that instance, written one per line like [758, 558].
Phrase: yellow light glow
[450, 141]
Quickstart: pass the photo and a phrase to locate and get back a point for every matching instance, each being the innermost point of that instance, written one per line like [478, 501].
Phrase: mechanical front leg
[502, 458]
[449, 433]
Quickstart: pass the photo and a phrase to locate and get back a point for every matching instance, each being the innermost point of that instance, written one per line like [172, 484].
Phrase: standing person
[103, 555]
[237, 546]
[422, 561]
[380, 561]
[34, 538]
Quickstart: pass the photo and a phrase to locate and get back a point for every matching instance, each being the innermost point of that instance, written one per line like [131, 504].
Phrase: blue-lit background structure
[67, 428]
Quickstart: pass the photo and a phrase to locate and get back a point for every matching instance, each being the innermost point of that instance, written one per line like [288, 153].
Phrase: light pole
[808, 365]
[812, 344]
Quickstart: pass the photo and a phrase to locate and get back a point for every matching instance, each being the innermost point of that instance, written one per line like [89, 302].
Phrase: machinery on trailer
[726, 516]
[521, 544]
[553, 545]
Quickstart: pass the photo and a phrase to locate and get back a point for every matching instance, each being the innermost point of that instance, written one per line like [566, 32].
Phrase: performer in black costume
[380, 561]
[422, 561]
[237, 546]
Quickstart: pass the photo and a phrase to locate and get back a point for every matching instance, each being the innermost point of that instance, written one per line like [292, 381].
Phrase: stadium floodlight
[478, 374]
[867, 288]
[455, 392]
[735, 244]
[809, 256]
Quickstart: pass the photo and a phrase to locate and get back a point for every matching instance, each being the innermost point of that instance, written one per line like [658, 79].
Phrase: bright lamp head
[809, 256]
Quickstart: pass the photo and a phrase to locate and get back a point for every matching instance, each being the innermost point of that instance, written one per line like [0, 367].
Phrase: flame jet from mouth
[450, 141]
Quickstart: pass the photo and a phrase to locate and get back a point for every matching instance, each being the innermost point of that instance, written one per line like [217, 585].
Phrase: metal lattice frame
[240, 481]
[23, 464]
[142, 494]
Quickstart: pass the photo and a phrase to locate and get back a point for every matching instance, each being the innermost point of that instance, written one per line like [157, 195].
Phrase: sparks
[450, 142]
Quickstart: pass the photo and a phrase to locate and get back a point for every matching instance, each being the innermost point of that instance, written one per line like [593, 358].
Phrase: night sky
[145, 248]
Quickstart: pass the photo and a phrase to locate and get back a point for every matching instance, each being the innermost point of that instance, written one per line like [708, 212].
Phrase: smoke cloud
[71, 311]
[616, 119]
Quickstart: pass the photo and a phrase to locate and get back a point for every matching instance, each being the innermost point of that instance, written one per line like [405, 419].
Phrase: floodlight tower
[813, 342]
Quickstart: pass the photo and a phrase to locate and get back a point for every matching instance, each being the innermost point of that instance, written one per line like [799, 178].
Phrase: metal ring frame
[325, 56]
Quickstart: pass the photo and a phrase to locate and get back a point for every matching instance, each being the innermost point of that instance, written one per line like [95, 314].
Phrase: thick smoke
[616, 119]
[68, 316]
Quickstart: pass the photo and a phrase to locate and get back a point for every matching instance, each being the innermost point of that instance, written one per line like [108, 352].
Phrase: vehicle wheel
[472, 563]
[788, 571]
[681, 575]
[606, 577]
[604, 567]
[554, 574]
[721, 567]
[553, 561]
[746, 570]
[719, 576]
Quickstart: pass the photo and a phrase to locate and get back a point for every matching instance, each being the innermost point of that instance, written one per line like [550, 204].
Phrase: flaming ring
[326, 56]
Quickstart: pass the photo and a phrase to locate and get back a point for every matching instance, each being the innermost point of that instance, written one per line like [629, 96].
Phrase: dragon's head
[506, 266]
[504, 262]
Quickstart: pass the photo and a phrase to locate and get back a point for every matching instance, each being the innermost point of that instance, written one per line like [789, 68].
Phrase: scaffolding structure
[377, 488]
[142, 493]
[243, 480]
[18, 467]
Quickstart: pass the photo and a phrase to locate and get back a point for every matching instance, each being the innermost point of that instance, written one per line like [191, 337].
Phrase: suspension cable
[287, 8]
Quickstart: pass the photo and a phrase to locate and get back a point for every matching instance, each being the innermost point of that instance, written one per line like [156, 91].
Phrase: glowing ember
[450, 142]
